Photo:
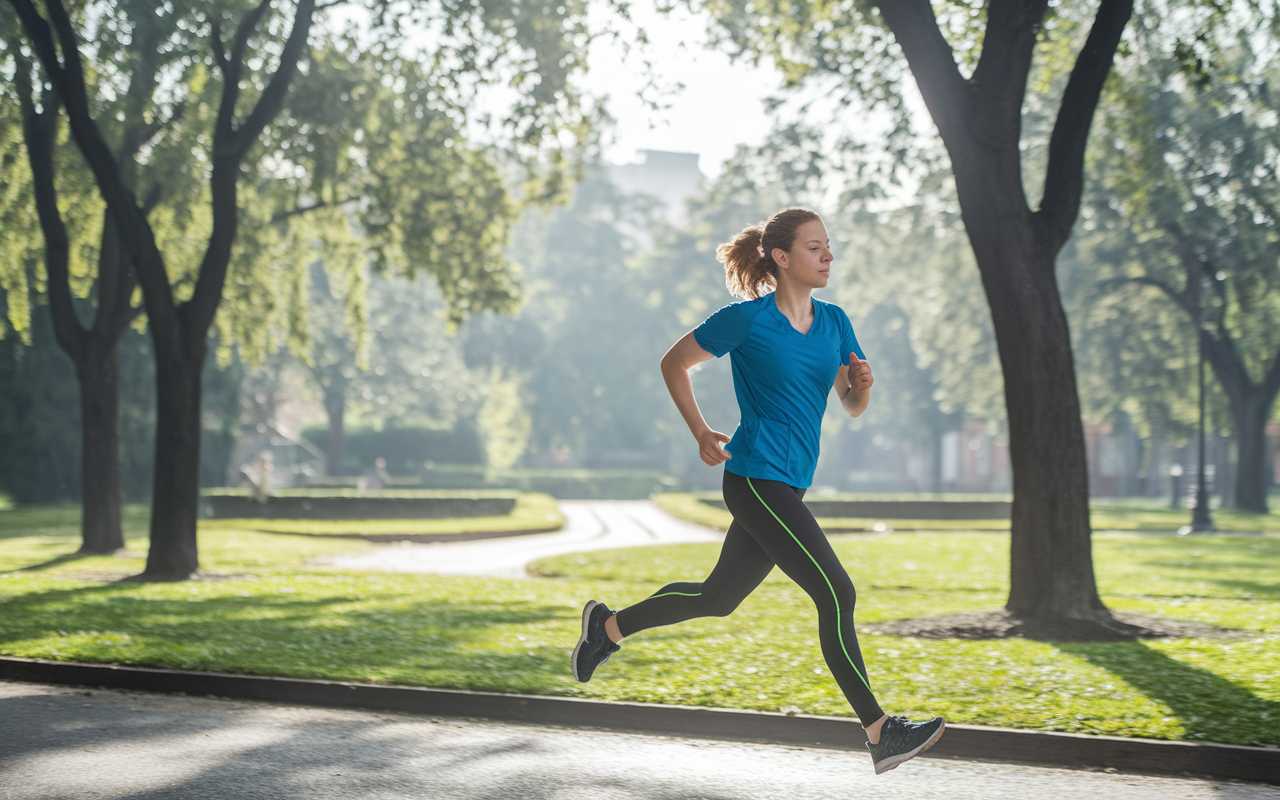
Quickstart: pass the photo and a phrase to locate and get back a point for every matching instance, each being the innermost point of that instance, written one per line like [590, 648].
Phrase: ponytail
[749, 268]
[749, 272]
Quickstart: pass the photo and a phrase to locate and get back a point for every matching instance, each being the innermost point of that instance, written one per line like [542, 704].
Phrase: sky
[719, 108]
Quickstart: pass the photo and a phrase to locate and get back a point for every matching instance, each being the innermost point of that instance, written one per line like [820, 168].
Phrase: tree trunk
[1252, 476]
[1052, 586]
[176, 488]
[99, 373]
[335, 405]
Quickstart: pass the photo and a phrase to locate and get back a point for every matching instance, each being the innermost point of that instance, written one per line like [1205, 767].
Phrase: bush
[405, 449]
[321, 504]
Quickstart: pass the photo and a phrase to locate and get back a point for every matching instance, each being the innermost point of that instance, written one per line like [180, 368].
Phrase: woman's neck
[795, 302]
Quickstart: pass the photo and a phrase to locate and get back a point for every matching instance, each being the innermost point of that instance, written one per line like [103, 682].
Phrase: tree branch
[143, 135]
[272, 99]
[1271, 379]
[67, 77]
[219, 50]
[999, 81]
[1064, 174]
[39, 130]
[1180, 298]
[281, 216]
[915, 27]
[230, 145]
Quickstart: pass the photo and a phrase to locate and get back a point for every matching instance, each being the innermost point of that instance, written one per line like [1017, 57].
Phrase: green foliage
[503, 423]
[581, 356]
[276, 612]
[397, 367]
[405, 448]
[40, 417]
[1186, 167]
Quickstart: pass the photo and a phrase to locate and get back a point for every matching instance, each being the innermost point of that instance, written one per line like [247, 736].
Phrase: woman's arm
[683, 355]
[853, 385]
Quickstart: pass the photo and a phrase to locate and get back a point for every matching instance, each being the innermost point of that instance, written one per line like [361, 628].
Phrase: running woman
[788, 351]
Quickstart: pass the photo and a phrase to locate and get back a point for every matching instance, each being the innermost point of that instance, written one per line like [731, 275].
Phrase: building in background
[670, 178]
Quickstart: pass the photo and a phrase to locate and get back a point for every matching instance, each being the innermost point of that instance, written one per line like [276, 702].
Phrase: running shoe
[594, 646]
[901, 739]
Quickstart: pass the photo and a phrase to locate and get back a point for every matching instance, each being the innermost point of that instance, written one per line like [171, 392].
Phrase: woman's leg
[776, 517]
[740, 569]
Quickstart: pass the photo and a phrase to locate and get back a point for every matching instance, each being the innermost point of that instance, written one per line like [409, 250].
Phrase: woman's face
[809, 261]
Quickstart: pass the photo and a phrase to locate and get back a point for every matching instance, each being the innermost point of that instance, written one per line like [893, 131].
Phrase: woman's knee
[721, 605]
[834, 599]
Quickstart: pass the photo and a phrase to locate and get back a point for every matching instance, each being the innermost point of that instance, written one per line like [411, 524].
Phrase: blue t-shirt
[781, 377]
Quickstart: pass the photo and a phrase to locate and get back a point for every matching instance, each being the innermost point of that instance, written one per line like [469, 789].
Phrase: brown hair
[749, 269]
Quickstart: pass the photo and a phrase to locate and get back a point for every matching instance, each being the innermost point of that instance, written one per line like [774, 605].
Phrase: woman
[788, 351]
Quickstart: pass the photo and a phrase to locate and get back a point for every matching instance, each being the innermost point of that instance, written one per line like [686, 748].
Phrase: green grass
[532, 512]
[1110, 515]
[270, 609]
[689, 506]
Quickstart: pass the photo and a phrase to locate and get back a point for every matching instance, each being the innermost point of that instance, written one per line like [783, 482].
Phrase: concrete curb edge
[1075, 751]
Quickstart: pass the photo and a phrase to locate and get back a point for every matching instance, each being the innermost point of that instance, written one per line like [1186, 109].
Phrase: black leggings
[771, 525]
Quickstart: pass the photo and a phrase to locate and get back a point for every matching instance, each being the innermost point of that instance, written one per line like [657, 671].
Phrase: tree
[410, 370]
[1188, 208]
[510, 40]
[94, 349]
[976, 106]
[179, 329]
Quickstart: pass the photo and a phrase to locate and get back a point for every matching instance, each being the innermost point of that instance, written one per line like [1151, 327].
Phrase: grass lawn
[1111, 514]
[267, 609]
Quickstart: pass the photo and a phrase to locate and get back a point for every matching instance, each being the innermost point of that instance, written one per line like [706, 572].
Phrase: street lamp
[1175, 485]
[1201, 519]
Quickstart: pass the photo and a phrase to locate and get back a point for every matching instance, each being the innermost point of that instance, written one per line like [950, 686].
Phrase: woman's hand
[858, 379]
[859, 374]
[709, 447]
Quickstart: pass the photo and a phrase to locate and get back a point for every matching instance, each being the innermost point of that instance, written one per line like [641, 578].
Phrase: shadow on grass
[1210, 707]
[338, 636]
[65, 558]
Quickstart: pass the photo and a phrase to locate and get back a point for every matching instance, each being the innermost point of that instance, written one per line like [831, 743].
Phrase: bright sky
[719, 108]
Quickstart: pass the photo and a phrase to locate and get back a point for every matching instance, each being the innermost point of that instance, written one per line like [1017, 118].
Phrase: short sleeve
[725, 330]
[848, 342]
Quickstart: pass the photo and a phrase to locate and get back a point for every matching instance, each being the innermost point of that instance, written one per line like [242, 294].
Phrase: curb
[1042, 748]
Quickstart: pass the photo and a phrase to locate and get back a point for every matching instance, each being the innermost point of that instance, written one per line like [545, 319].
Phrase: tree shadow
[65, 558]
[1210, 707]
[428, 642]
[199, 748]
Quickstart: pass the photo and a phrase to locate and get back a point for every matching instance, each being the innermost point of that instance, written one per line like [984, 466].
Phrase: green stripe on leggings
[668, 594]
[839, 634]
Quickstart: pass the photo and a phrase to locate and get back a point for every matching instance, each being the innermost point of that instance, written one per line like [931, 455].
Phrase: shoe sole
[586, 619]
[890, 763]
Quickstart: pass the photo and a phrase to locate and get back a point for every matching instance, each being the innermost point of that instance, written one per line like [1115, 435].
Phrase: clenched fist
[859, 374]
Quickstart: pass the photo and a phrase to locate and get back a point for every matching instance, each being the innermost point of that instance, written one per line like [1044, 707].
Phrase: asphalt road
[58, 743]
[589, 525]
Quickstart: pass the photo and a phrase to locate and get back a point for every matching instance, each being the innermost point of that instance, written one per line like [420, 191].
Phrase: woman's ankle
[611, 629]
[873, 730]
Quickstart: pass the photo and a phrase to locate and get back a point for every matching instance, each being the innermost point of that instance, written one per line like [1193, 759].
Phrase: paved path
[58, 743]
[589, 525]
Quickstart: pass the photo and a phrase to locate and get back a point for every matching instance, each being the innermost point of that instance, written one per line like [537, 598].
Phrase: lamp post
[1175, 485]
[1201, 519]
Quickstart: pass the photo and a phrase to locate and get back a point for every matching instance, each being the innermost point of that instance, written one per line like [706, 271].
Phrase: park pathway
[58, 743]
[589, 525]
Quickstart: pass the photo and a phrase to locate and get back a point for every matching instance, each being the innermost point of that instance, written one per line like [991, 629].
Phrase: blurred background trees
[326, 349]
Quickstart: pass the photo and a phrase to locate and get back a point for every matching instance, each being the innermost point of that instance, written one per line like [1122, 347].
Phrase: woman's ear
[780, 257]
